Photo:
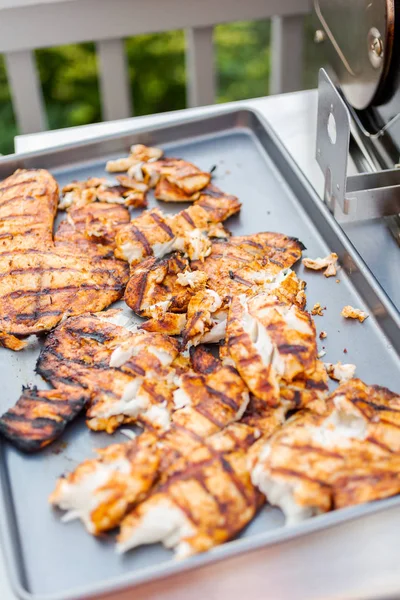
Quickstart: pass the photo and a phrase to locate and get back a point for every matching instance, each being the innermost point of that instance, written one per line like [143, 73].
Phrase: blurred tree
[157, 74]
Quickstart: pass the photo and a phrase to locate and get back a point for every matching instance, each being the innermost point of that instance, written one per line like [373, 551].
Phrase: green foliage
[157, 74]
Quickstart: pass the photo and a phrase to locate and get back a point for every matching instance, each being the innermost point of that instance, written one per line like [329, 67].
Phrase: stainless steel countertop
[354, 560]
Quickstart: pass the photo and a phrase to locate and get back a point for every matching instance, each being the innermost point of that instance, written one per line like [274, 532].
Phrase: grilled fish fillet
[101, 490]
[156, 234]
[344, 455]
[40, 416]
[269, 341]
[43, 280]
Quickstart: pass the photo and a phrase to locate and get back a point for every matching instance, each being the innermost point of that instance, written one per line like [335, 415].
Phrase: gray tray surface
[54, 560]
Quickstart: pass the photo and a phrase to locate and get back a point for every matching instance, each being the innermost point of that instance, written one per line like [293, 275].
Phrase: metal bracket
[350, 198]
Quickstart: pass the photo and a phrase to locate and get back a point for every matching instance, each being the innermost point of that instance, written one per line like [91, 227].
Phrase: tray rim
[9, 539]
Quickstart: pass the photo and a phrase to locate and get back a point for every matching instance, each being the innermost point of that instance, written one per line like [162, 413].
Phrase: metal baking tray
[48, 560]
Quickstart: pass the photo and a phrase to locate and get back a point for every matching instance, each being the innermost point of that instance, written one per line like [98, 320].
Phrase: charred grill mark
[297, 398]
[21, 216]
[276, 262]
[374, 405]
[72, 361]
[376, 442]
[161, 223]
[298, 475]
[223, 397]
[130, 365]
[239, 279]
[387, 422]
[140, 290]
[237, 339]
[313, 449]
[36, 314]
[17, 184]
[19, 198]
[227, 467]
[213, 193]
[255, 244]
[42, 270]
[188, 218]
[300, 244]
[316, 385]
[202, 410]
[141, 238]
[61, 290]
[292, 349]
[97, 336]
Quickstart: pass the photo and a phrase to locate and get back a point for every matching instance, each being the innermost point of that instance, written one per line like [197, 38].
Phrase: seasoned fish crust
[43, 280]
[40, 416]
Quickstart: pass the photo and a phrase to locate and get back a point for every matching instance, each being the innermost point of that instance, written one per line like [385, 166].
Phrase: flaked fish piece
[155, 283]
[270, 342]
[329, 263]
[180, 173]
[139, 154]
[169, 192]
[349, 312]
[40, 416]
[319, 461]
[147, 398]
[306, 391]
[166, 322]
[128, 192]
[156, 234]
[101, 490]
[201, 319]
[45, 279]
[207, 500]
[12, 342]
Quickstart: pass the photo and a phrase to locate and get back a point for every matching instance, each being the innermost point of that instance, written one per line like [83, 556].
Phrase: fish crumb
[322, 335]
[348, 312]
[317, 310]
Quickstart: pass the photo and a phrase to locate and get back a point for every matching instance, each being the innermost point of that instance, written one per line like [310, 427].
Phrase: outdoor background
[157, 75]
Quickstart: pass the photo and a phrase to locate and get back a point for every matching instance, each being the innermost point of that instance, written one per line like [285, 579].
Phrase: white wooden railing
[26, 25]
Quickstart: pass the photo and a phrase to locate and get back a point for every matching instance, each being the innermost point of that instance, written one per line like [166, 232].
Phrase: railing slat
[287, 54]
[114, 80]
[26, 91]
[200, 71]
